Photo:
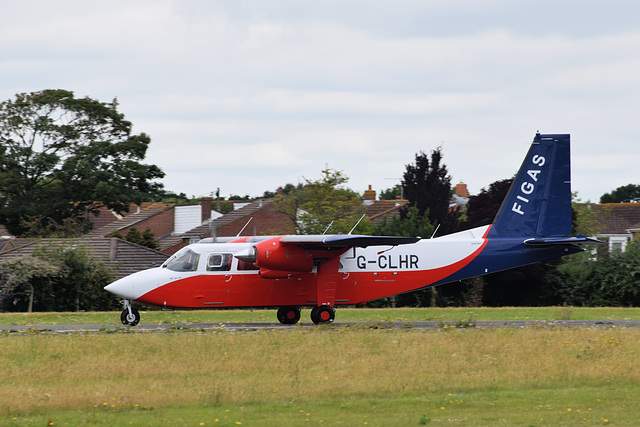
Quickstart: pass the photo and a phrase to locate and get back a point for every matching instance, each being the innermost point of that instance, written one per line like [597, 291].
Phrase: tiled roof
[104, 217]
[146, 211]
[376, 210]
[124, 257]
[9, 244]
[617, 218]
[218, 223]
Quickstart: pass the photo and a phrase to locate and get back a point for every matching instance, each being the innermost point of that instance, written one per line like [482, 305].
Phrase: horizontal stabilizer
[577, 240]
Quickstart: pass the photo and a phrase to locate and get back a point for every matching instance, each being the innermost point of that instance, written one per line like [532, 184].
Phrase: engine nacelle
[287, 259]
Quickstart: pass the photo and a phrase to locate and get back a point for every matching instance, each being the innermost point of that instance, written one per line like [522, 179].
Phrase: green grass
[528, 407]
[342, 315]
[330, 375]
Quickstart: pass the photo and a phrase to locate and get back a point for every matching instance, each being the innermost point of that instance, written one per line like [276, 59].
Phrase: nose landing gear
[130, 315]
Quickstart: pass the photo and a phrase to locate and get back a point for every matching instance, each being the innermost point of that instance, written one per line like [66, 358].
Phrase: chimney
[205, 208]
[461, 190]
[370, 194]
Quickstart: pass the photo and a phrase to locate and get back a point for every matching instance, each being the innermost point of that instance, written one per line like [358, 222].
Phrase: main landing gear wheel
[288, 315]
[131, 319]
[323, 314]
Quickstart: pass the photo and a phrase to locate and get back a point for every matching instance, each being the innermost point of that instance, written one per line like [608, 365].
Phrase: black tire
[323, 314]
[126, 319]
[288, 315]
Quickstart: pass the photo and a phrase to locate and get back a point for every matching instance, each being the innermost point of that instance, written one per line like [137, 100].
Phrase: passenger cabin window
[185, 260]
[219, 262]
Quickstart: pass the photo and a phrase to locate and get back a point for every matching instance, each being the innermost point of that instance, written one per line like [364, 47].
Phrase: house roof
[377, 210]
[123, 257]
[10, 244]
[228, 218]
[617, 218]
[103, 217]
[147, 210]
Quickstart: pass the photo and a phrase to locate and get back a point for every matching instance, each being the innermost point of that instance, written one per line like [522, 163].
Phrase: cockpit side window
[219, 262]
[186, 260]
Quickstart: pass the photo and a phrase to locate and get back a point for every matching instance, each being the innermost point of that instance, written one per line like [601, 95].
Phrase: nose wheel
[323, 314]
[129, 315]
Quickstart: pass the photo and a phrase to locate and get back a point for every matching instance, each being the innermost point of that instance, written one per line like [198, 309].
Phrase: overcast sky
[250, 95]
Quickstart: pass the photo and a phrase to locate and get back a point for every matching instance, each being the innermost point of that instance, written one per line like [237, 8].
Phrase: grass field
[329, 375]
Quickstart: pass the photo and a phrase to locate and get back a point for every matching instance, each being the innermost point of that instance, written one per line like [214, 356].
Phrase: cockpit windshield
[184, 260]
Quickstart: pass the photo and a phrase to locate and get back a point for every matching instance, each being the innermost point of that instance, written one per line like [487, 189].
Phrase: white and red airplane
[324, 271]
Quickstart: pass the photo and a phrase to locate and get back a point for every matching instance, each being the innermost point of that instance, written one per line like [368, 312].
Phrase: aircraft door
[214, 286]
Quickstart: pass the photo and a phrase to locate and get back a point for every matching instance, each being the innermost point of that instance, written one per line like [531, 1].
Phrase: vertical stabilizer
[538, 203]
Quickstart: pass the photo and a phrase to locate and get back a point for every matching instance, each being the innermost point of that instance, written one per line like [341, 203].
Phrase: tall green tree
[323, 203]
[626, 194]
[427, 185]
[483, 207]
[62, 157]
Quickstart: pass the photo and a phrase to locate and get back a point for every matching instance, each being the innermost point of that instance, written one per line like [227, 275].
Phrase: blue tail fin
[538, 203]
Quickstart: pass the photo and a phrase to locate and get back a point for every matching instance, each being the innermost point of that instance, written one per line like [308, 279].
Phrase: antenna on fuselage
[354, 227]
[245, 226]
[435, 231]
[328, 227]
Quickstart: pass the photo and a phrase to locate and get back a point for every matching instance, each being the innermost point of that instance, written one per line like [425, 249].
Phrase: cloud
[250, 95]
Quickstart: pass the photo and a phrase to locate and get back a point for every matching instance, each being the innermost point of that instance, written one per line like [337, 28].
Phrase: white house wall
[187, 218]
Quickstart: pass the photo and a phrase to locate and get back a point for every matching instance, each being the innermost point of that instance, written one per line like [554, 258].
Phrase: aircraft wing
[347, 240]
[577, 240]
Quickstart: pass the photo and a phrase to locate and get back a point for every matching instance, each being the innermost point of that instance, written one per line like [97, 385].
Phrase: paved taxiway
[427, 325]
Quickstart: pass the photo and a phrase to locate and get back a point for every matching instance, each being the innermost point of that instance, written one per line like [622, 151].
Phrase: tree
[318, 204]
[146, 239]
[412, 225]
[483, 207]
[62, 157]
[59, 278]
[18, 275]
[80, 283]
[609, 280]
[391, 193]
[427, 186]
[626, 194]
